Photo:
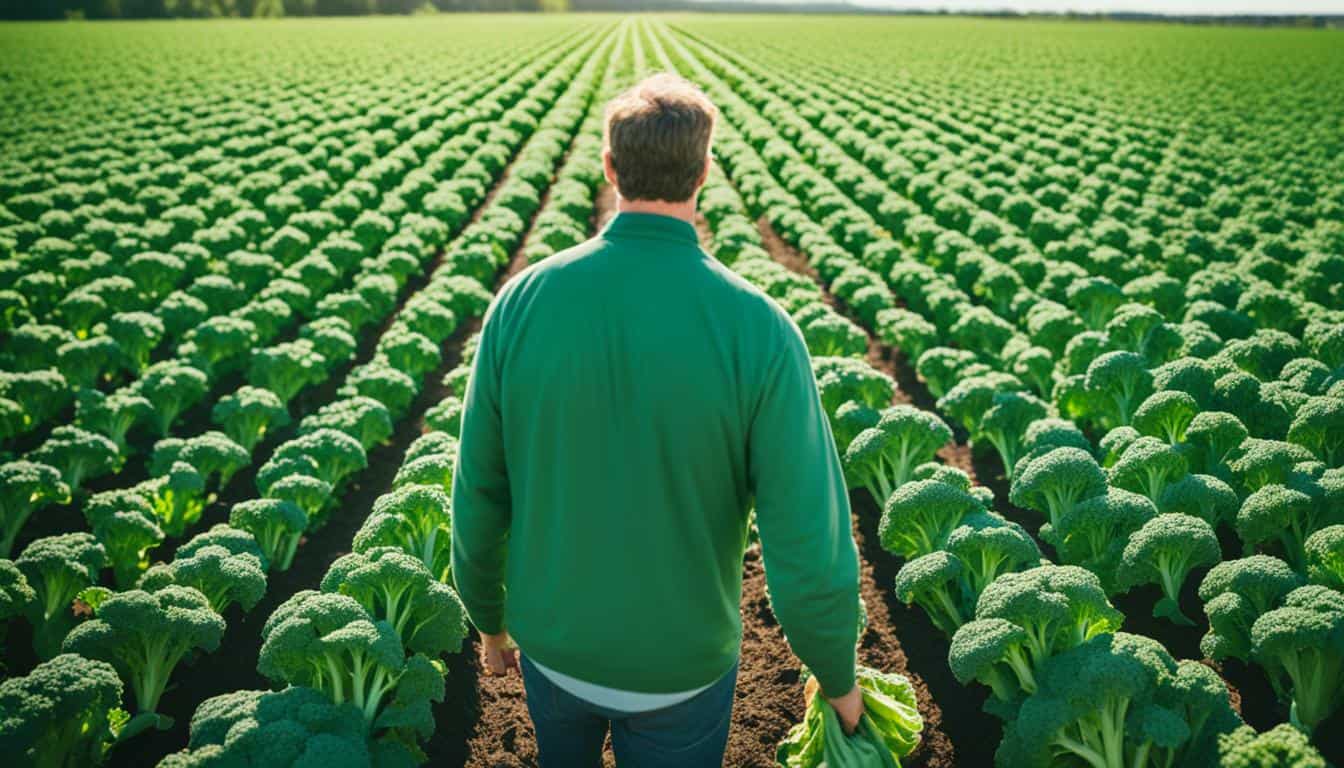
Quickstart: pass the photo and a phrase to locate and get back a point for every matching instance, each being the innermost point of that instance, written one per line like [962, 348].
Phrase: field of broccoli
[1074, 293]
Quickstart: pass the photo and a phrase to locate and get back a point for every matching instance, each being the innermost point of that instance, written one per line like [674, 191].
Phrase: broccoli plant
[1119, 701]
[66, 712]
[1148, 466]
[842, 379]
[906, 331]
[276, 524]
[125, 524]
[287, 368]
[248, 414]
[212, 454]
[409, 352]
[398, 588]
[1094, 533]
[335, 454]
[113, 415]
[968, 401]
[171, 387]
[1235, 594]
[57, 568]
[332, 338]
[1282, 745]
[942, 367]
[16, 596]
[434, 469]
[1163, 552]
[223, 576]
[176, 497]
[331, 643]
[136, 335]
[87, 363]
[416, 520]
[1118, 382]
[1319, 427]
[883, 458]
[1058, 481]
[290, 728]
[1203, 496]
[1004, 425]
[389, 386]
[447, 417]
[1024, 618]
[831, 334]
[1212, 439]
[145, 635]
[1299, 645]
[1166, 415]
[936, 583]
[26, 487]
[362, 418]
[312, 495]
[988, 546]
[1325, 557]
[79, 455]
[919, 516]
[1258, 463]
[1277, 515]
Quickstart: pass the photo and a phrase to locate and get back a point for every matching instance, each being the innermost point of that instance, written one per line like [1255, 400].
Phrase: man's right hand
[850, 708]
[498, 654]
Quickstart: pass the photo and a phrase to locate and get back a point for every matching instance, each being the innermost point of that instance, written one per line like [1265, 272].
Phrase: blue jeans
[570, 730]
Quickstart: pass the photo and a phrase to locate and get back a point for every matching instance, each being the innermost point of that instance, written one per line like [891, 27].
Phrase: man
[630, 397]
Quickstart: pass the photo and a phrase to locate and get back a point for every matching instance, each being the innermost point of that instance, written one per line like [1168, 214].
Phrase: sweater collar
[651, 225]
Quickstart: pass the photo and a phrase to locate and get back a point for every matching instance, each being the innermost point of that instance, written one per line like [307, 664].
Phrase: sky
[1221, 7]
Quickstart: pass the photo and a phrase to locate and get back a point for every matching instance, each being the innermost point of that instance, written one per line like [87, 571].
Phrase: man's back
[643, 393]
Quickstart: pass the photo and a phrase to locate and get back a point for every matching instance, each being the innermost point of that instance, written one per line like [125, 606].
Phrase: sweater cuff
[836, 677]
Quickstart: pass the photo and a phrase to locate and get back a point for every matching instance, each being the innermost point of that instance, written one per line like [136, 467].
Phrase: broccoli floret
[332, 338]
[1235, 594]
[937, 583]
[25, 487]
[988, 546]
[290, 728]
[331, 643]
[212, 454]
[882, 458]
[1096, 299]
[1325, 557]
[919, 516]
[1262, 355]
[432, 469]
[1118, 382]
[145, 635]
[1212, 438]
[942, 367]
[224, 577]
[1300, 645]
[88, 362]
[1278, 514]
[362, 418]
[276, 524]
[1143, 331]
[1319, 427]
[398, 588]
[57, 568]
[1005, 423]
[1280, 747]
[1203, 496]
[171, 387]
[248, 414]
[79, 454]
[66, 712]
[1163, 552]
[969, 399]
[416, 520]
[1257, 463]
[409, 352]
[906, 331]
[1166, 414]
[16, 597]
[387, 385]
[831, 334]
[1056, 482]
[447, 417]
[1148, 466]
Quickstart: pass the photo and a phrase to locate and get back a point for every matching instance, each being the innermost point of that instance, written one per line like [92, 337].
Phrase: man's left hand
[498, 654]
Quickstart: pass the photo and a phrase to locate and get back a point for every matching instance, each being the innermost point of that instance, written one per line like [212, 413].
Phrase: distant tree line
[201, 9]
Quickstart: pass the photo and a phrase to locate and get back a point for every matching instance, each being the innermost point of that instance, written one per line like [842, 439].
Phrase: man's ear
[704, 174]
[608, 168]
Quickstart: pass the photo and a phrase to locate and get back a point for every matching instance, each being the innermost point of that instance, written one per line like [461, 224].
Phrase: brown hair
[658, 134]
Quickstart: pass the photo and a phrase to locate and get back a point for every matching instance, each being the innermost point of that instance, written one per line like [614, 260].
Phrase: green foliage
[67, 711]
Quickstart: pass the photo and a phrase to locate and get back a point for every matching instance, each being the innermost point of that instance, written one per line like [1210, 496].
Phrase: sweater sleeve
[482, 507]
[802, 511]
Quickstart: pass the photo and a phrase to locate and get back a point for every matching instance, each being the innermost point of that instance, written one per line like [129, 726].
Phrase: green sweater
[629, 398]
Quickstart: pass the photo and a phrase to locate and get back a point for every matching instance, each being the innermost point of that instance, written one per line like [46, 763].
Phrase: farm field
[1074, 294]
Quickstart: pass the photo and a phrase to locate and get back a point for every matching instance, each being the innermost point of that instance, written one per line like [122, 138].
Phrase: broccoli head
[1235, 594]
[1093, 534]
[447, 417]
[1166, 414]
[919, 516]
[25, 487]
[276, 524]
[1163, 552]
[171, 387]
[335, 454]
[113, 415]
[936, 583]
[1056, 482]
[1212, 439]
[1282, 746]
[942, 367]
[66, 712]
[248, 414]
[1203, 496]
[1283, 516]
[58, 568]
[1301, 646]
[1325, 557]
[79, 454]
[1148, 466]
[398, 588]
[416, 520]
[842, 379]
[287, 368]
[145, 635]
[988, 546]
[224, 577]
[1319, 427]
[1005, 423]
[1118, 382]
[882, 458]
[363, 418]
